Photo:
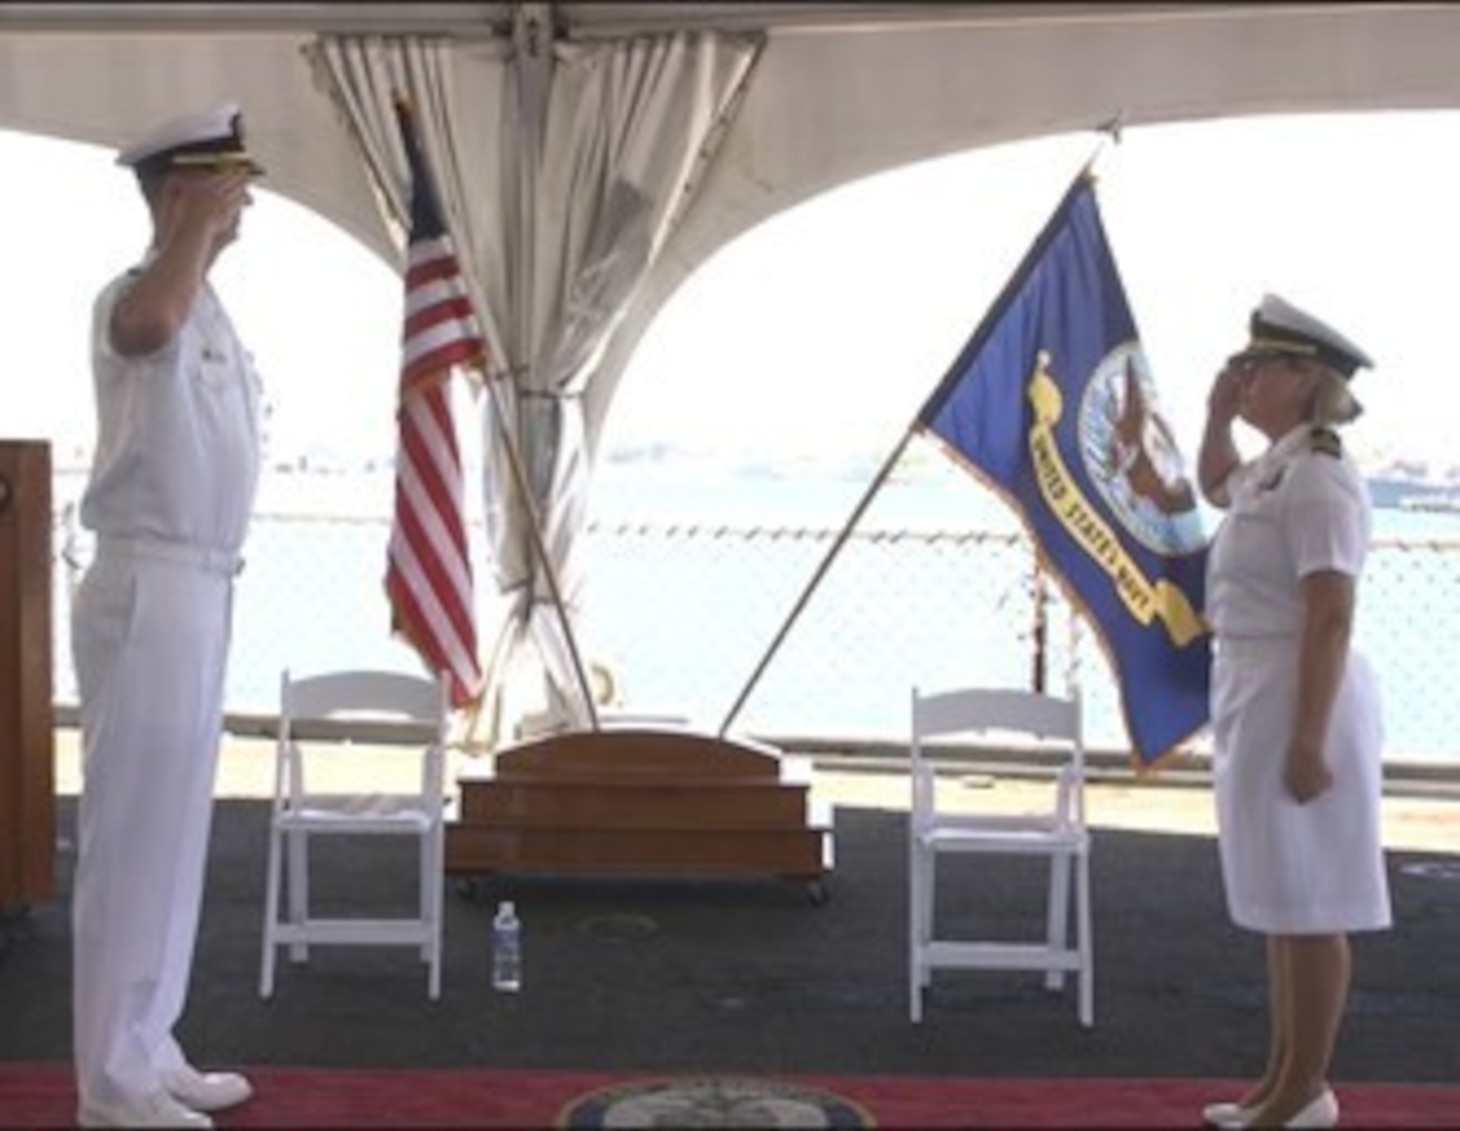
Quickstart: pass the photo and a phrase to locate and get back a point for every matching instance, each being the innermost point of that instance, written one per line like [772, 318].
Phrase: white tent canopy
[842, 90]
[593, 155]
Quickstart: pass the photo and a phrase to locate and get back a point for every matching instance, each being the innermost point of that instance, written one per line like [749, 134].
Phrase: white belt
[224, 562]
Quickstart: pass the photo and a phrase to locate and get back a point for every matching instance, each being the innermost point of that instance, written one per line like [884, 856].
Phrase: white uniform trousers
[150, 639]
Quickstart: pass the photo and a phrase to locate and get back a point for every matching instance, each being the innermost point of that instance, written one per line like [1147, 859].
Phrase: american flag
[428, 575]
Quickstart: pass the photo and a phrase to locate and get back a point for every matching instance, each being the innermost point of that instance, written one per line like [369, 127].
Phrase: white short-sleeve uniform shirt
[177, 449]
[1292, 868]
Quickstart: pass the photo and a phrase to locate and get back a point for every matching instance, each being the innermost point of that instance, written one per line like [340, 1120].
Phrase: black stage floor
[750, 976]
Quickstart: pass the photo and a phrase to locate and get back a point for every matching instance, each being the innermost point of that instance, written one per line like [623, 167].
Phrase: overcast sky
[828, 325]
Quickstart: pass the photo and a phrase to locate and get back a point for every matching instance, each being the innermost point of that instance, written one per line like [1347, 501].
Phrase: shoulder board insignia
[1326, 441]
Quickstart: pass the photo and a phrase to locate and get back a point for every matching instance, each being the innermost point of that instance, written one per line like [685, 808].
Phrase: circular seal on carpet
[713, 1101]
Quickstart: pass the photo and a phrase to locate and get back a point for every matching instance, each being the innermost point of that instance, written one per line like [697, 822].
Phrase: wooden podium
[27, 728]
[629, 800]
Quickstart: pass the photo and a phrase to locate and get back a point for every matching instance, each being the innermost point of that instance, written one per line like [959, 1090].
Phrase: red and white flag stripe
[428, 573]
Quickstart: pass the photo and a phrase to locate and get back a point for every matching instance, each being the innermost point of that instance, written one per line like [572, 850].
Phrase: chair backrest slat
[376, 694]
[981, 710]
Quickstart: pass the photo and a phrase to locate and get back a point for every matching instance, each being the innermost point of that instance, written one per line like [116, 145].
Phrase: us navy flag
[1052, 403]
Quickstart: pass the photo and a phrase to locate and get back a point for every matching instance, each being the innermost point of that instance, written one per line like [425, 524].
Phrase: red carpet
[42, 1096]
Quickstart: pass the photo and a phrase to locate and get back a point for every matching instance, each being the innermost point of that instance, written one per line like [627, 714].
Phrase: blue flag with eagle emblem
[1052, 404]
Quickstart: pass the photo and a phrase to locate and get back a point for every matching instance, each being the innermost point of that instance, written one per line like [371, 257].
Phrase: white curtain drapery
[562, 169]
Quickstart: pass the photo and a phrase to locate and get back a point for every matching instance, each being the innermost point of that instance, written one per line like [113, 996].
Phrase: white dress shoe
[159, 1109]
[1226, 1115]
[207, 1091]
[1321, 1112]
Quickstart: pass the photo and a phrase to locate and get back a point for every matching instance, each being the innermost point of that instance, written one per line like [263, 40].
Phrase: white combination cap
[1277, 326]
[211, 140]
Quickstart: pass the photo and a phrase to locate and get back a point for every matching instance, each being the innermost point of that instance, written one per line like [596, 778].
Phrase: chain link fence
[691, 620]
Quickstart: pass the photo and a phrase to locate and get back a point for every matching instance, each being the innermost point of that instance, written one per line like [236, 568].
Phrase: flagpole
[1110, 131]
[841, 538]
[1038, 676]
[519, 478]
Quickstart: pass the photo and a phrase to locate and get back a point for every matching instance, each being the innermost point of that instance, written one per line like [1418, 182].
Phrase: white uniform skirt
[1288, 868]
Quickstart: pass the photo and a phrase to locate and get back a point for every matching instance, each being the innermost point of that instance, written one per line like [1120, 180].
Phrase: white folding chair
[314, 716]
[1057, 832]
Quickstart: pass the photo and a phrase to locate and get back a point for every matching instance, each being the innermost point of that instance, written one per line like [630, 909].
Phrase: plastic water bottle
[506, 948]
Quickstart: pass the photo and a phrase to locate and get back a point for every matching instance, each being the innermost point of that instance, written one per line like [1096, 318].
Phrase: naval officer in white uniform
[1296, 718]
[169, 498]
